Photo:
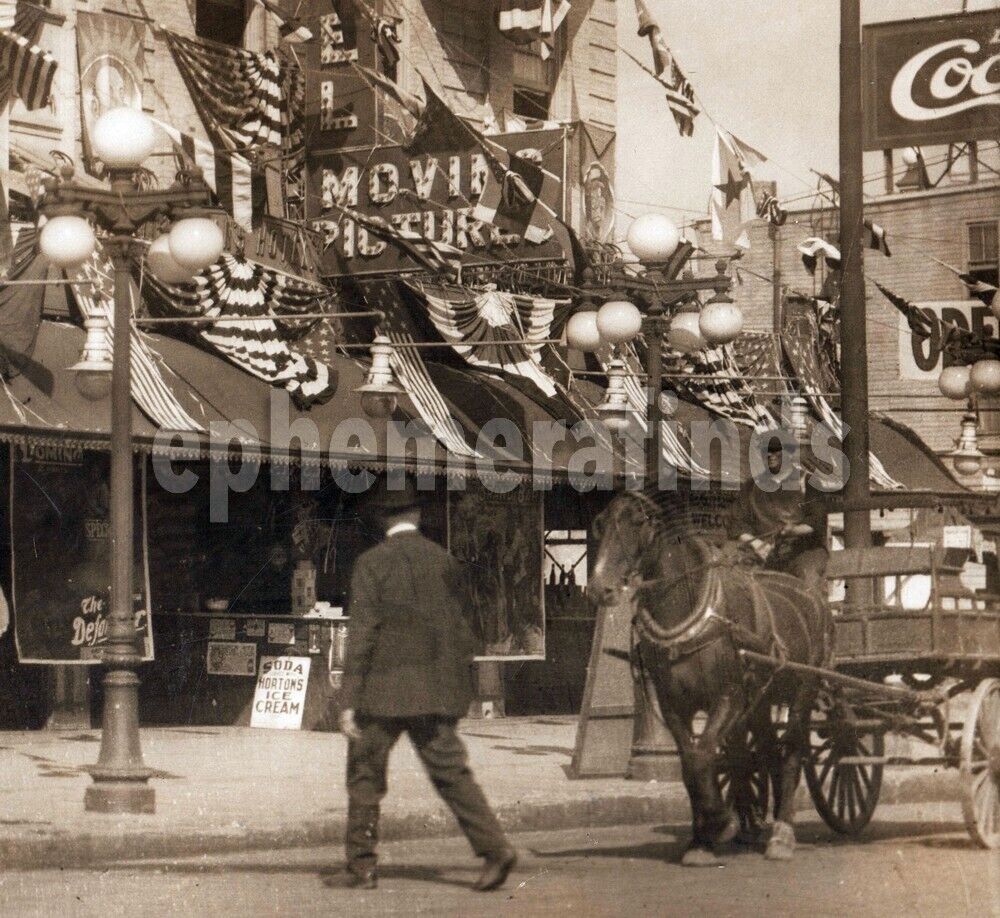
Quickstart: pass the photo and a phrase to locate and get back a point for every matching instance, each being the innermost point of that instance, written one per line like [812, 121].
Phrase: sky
[766, 70]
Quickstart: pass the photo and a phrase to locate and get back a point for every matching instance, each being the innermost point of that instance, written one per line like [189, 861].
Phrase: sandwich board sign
[279, 700]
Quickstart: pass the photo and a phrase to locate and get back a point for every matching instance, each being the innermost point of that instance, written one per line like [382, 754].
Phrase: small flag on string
[770, 210]
[814, 248]
[515, 194]
[976, 287]
[680, 93]
[439, 128]
[876, 238]
[526, 21]
[290, 28]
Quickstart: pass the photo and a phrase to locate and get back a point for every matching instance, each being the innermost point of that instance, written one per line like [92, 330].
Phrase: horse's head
[639, 551]
[625, 530]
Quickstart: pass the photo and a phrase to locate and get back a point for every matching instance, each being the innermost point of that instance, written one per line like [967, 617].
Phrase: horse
[695, 608]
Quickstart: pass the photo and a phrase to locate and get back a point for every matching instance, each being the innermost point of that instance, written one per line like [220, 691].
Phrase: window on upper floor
[221, 20]
[531, 104]
[984, 251]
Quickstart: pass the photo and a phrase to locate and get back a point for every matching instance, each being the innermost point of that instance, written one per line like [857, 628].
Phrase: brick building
[955, 222]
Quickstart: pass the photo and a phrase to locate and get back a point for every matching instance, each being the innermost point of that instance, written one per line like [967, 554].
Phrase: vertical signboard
[932, 80]
[61, 555]
[340, 105]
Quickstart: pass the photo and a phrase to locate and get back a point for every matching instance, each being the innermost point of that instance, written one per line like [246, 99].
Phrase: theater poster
[61, 559]
[499, 537]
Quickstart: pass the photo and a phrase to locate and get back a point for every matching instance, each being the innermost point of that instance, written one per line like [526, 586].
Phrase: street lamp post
[670, 312]
[122, 140]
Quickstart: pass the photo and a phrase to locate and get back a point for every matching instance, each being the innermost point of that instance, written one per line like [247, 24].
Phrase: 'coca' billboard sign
[932, 80]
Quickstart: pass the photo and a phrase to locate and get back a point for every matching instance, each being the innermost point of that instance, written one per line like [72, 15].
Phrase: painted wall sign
[279, 700]
[932, 80]
[921, 358]
[433, 195]
[61, 567]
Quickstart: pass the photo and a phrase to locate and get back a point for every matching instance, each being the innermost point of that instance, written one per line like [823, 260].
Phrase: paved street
[915, 861]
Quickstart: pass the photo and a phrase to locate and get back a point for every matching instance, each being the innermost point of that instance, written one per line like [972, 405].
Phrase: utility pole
[853, 330]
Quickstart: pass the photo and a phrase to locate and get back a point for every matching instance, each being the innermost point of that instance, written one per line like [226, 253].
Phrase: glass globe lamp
[582, 333]
[67, 240]
[684, 333]
[985, 376]
[653, 238]
[196, 242]
[163, 265]
[954, 383]
[618, 321]
[123, 138]
[379, 392]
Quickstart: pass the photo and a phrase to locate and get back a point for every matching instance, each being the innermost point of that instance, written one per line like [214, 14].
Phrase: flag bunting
[26, 71]
[234, 286]
[473, 322]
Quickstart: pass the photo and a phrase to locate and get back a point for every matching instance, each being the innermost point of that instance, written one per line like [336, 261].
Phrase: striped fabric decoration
[799, 338]
[228, 174]
[235, 286]
[149, 389]
[408, 364]
[675, 450]
[716, 382]
[30, 69]
[473, 322]
[240, 95]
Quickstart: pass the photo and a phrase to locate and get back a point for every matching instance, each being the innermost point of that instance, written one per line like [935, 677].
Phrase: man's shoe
[496, 869]
[353, 879]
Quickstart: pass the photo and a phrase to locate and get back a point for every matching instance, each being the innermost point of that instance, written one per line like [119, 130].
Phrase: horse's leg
[721, 823]
[782, 843]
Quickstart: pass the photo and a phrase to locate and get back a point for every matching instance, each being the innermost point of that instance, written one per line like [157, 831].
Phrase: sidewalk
[233, 788]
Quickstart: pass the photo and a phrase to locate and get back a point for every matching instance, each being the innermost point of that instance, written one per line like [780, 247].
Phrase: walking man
[408, 668]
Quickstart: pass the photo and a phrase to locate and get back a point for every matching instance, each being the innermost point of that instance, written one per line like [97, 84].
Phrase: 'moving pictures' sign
[433, 195]
[932, 80]
[922, 358]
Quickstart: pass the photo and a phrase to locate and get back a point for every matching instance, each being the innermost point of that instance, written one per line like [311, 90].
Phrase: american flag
[408, 364]
[758, 355]
[515, 196]
[712, 378]
[436, 256]
[290, 28]
[680, 92]
[385, 34]
[770, 210]
[799, 338]
[26, 70]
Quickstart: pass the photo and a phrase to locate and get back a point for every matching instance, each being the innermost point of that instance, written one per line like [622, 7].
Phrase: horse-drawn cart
[922, 662]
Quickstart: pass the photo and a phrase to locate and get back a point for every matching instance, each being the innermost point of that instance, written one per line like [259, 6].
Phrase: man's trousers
[443, 755]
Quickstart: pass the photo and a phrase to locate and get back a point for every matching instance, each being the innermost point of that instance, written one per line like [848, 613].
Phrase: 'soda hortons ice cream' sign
[932, 80]
[62, 561]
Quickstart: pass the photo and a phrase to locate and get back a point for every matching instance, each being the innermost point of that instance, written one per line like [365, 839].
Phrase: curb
[65, 850]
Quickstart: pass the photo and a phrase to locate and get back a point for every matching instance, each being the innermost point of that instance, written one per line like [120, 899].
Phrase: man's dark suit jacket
[409, 646]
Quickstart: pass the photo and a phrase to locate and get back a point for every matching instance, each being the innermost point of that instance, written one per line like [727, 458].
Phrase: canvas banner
[111, 58]
[61, 555]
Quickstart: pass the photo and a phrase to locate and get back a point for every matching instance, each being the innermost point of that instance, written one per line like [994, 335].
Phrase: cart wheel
[980, 765]
[845, 795]
[745, 781]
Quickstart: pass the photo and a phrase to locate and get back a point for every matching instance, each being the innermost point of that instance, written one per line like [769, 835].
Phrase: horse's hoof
[781, 847]
[699, 857]
[728, 832]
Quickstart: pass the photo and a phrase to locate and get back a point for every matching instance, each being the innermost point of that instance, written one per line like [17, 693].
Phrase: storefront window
[984, 252]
